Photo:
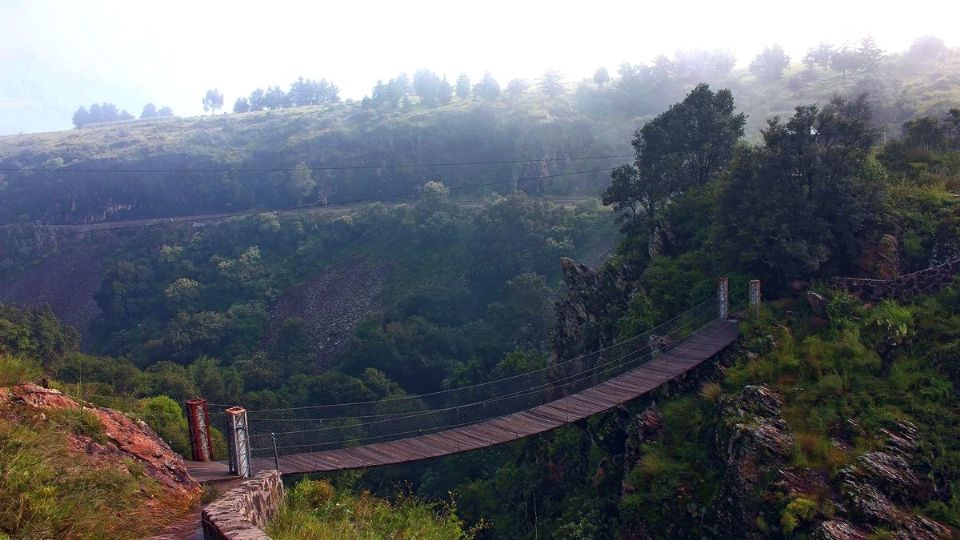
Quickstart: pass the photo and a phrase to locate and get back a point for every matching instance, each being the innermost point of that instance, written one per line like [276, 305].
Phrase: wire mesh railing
[278, 432]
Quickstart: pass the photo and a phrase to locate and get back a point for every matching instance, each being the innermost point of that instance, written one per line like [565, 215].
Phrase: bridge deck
[669, 365]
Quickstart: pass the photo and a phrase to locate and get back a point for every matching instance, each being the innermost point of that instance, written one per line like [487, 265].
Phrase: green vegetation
[845, 375]
[460, 294]
[459, 289]
[314, 510]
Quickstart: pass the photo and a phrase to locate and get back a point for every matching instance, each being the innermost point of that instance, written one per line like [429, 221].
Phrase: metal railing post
[240, 462]
[198, 421]
[755, 295]
[276, 454]
[723, 298]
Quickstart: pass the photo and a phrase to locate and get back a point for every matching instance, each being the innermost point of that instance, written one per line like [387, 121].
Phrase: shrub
[797, 512]
[165, 417]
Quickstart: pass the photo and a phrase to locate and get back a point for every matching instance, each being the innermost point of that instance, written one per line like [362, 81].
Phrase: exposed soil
[331, 305]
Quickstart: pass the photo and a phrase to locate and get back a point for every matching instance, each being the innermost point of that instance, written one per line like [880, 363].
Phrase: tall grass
[314, 510]
[48, 491]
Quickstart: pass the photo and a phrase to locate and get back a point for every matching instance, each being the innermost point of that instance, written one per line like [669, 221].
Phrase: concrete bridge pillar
[723, 298]
[199, 424]
[239, 439]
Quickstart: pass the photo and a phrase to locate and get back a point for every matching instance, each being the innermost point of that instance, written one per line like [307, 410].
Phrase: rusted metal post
[754, 295]
[239, 438]
[723, 298]
[198, 421]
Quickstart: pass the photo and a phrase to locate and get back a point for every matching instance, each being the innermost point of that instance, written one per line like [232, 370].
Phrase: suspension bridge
[403, 429]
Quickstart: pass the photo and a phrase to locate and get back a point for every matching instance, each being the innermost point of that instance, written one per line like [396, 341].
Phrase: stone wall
[904, 287]
[242, 512]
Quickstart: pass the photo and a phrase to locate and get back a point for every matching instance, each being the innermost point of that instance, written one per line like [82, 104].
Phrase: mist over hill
[544, 137]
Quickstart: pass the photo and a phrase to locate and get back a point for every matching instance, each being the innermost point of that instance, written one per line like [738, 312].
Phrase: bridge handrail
[415, 397]
[266, 440]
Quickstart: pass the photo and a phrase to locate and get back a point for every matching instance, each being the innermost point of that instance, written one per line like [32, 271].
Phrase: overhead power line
[320, 168]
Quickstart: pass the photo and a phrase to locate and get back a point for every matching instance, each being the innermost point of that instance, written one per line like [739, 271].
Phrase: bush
[166, 418]
[797, 512]
[314, 510]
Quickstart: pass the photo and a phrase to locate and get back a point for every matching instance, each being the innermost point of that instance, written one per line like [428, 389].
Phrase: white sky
[58, 55]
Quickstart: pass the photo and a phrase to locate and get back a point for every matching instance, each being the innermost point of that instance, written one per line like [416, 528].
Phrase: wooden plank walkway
[706, 343]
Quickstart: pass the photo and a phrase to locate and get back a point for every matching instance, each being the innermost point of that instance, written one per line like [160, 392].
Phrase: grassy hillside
[243, 152]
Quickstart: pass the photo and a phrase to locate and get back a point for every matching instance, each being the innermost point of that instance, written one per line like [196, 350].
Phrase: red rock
[127, 439]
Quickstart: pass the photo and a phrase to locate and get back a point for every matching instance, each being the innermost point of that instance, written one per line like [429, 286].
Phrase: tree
[769, 65]
[301, 183]
[426, 84]
[433, 194]
[305, 92]
[463, 86]
[488, 88]
[257, 98]
[275, 98]
[516, 87]
[241, 105]
[444, 92]
[845, 60]
[551, 83]
[99, 112]
[799, 206]
[212, 101]
[700, 65]
[601, 77]
[81, 117]
[684, 147]
[394, 92]
[182, 293]
[870, 54]
[819, 56]
[149, 111]
[926, 49]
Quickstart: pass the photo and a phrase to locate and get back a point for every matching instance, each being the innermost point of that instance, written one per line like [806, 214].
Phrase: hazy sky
[58, 55]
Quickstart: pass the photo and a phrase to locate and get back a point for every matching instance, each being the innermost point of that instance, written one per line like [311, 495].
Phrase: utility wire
[322, 168]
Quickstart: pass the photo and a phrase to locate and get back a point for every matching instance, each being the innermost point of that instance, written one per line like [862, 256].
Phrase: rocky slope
[111, 443]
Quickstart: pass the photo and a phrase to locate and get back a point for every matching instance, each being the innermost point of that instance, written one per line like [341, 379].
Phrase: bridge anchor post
[723, 298]
[239, 439]
[755, 295]
[198, 420]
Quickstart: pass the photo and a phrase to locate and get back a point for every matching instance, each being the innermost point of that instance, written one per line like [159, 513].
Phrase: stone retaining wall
[242, 512]
[904, 287]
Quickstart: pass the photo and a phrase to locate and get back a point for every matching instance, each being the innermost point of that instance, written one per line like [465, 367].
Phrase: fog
[59, 55]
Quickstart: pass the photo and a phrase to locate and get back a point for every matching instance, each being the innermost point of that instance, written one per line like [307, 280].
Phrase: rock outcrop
[594, 299]
[755, 442]
[880, 488]
[881, 258]
[125, 440]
